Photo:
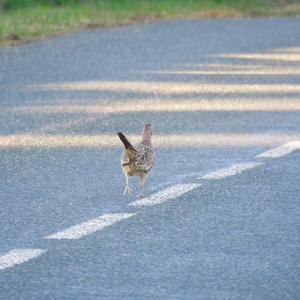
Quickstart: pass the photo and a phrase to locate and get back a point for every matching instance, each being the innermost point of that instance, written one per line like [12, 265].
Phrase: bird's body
[137, 160]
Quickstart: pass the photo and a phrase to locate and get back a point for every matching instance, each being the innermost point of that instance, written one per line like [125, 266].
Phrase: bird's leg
[142, 182]
[127, 187]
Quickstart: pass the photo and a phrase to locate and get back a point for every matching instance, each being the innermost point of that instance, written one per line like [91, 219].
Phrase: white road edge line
[168, 193]
[281, 150]
[88, 227]
[230, 171]
[18, 256]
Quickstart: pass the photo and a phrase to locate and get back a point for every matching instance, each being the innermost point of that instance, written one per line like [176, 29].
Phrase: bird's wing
[145, 159]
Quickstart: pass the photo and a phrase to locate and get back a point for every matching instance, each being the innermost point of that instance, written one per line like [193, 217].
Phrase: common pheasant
[137, 160]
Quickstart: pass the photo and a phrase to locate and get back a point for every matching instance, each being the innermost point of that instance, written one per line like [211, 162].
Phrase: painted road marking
[18, 256]
[91, 226]
[281, 150]
[230, 171]
[168, 193]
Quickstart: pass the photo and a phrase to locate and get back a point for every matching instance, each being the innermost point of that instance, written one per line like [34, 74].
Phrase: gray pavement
[234, 238]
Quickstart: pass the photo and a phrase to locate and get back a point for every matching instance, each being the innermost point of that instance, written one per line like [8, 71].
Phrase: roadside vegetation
[24, 20]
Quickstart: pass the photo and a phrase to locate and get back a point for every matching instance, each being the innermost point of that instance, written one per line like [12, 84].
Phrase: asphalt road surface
[221, 218]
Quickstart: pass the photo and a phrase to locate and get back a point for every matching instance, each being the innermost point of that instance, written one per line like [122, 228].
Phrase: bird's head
[148, 128]
[147, 131]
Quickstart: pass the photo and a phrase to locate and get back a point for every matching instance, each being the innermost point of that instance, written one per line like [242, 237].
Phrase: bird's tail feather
[130, 150]
[124, 140]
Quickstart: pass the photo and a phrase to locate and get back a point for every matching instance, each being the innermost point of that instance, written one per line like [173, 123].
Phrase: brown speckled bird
[138, 160]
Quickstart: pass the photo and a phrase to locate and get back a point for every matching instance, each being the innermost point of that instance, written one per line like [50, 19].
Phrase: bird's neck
[146, 138]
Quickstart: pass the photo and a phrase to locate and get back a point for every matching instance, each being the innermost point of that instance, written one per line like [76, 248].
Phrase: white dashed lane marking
[18, 256]
[230, 171]
[281, 150]
[91, 226]
[168, 193]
